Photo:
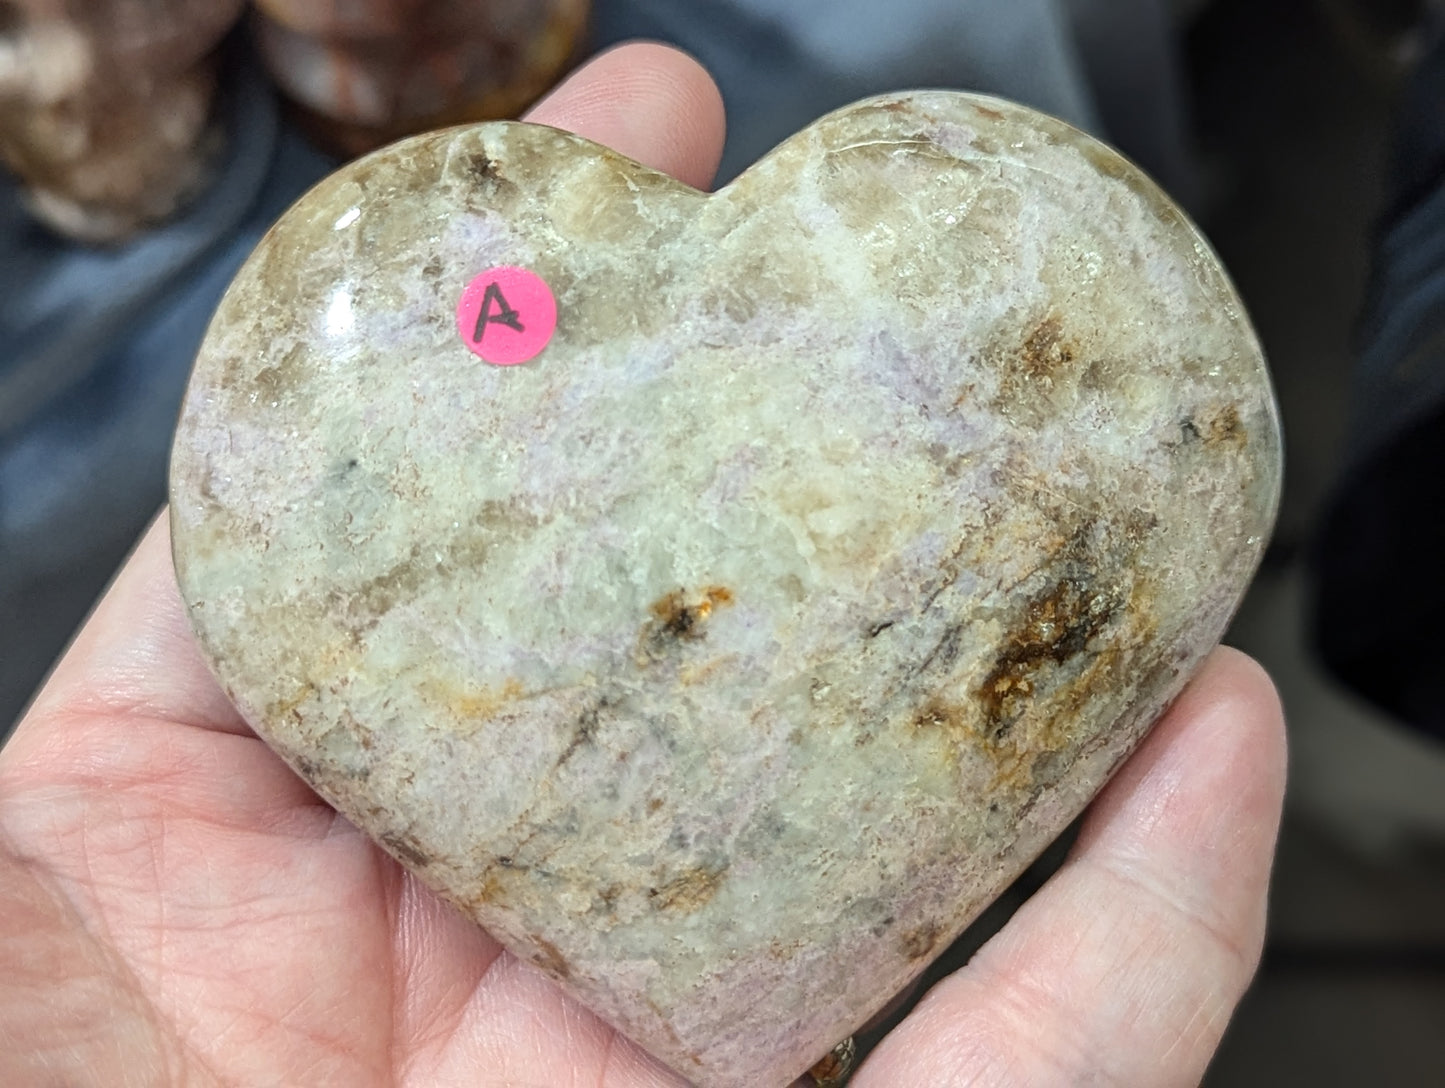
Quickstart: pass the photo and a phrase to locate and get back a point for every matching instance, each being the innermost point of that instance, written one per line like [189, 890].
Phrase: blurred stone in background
[366, 73]
[105, 108]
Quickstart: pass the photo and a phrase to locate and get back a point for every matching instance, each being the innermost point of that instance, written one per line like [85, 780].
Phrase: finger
[1125, 967]
[650, 102]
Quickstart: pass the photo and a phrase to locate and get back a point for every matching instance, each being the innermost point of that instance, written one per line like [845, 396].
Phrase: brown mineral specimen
[369, 71]
[105, 108]
[726, 655]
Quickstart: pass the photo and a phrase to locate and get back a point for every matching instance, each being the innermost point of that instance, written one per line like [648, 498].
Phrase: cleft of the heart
[838, 535]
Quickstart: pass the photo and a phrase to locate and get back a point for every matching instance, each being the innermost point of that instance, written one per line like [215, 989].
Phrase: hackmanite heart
[728, 656]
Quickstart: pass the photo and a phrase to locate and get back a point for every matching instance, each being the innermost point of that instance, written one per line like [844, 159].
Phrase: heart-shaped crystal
[832, 540]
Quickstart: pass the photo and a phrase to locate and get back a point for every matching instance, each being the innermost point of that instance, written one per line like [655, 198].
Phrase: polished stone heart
[728, 656]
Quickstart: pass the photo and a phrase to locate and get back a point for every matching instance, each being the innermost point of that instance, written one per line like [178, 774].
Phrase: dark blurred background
[1295, 106]
[1272, 120]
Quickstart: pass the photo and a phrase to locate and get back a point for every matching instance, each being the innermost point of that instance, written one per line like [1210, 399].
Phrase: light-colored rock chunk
[728, 657]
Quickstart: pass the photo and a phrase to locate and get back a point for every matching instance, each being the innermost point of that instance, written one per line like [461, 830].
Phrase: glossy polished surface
[729, 656]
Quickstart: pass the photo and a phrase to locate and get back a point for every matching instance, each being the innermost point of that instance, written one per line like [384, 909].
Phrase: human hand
[177, 907]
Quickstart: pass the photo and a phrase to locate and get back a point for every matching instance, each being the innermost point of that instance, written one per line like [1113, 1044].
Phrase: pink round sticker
[507, 315]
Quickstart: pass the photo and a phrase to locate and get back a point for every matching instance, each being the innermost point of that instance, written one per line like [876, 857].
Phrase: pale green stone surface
[728, 658]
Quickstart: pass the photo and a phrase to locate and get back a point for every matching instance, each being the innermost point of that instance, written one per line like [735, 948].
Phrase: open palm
[176, 907]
